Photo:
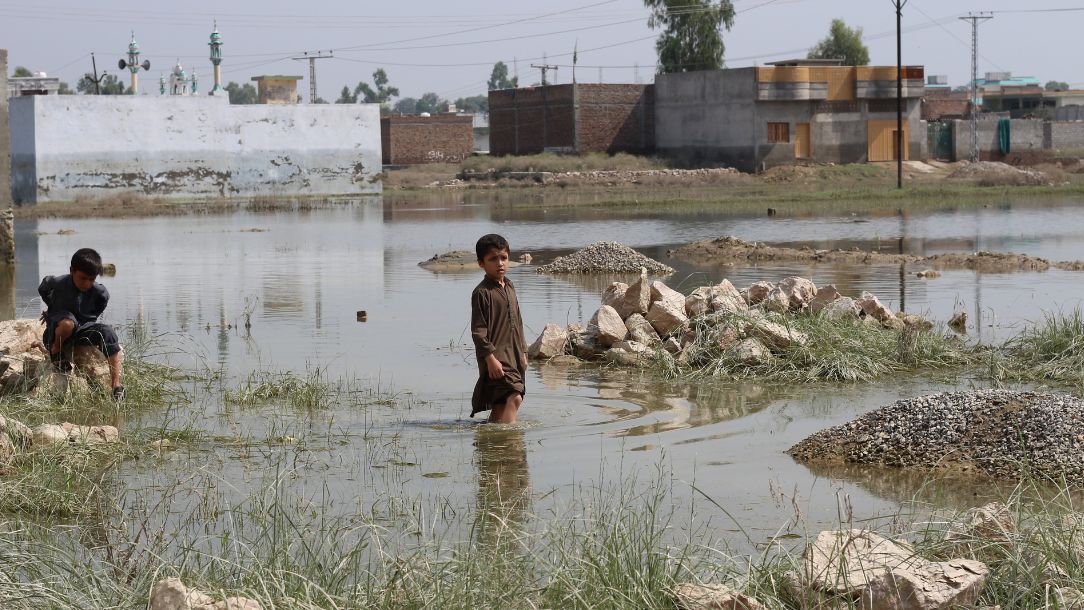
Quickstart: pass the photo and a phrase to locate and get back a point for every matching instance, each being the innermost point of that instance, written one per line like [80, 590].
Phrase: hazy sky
[450, 47]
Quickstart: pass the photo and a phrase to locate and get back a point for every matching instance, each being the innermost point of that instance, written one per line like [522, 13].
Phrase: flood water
[301, 277]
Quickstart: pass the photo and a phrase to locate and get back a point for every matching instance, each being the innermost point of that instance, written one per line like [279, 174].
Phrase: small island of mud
[457, 260]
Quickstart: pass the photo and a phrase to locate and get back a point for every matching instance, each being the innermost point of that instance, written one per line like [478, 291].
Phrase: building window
[778, 133]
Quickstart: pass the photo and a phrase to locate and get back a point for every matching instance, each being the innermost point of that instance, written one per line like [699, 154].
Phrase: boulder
[841, 308]
[22, 371]
[724, 337]
[91, 435]
[825, 296]
[690, 596]
[628, 353]
[872, 307]
[56, 384]
[776, 335]
[614, 293]
[726, 290]
[749, 351]
[611, 326]
[20, 336]
[698, 302]
[19, 433]
[171, 594]
[958, 322]
[757, 292]
[777, 300]
[7, 451]
[800, 292]
[672, 345]
[49, 434]
[667, 316]
[550, 343]
[585, 345]
[893, 323]
[662, 292]
[881, 574]
[637, 298]
[92, 364]
[640, 330]
[915, 322]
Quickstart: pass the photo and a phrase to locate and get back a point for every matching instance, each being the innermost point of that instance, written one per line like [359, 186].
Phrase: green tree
[843, 43]
[346, 97]
[432, 103]
[381, 95]
[64, 89]
[406, 105]
[241, 94]
[498, 78]
[691, 36]
[21, 72]
[110, 85]
[1055, 85]
[473, 104]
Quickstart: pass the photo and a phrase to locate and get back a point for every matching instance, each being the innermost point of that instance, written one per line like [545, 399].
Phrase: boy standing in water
[74, 303]
[497, 329]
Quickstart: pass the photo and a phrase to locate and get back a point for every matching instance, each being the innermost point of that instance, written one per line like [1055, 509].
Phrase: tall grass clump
[1052, 349]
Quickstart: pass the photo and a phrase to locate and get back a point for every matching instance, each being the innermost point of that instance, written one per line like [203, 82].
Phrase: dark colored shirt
[59, 293]
[497, 328]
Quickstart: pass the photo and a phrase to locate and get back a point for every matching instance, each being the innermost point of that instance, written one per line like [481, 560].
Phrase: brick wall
[587, 118]
[1025, 136]
[937, 108]
[412, 139]
[1066, 135]
[5, 142]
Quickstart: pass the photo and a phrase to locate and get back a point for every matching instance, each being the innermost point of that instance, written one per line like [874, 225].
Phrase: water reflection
[504, 482]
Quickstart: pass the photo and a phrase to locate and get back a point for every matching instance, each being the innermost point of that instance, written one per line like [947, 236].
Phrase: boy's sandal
[118, 393]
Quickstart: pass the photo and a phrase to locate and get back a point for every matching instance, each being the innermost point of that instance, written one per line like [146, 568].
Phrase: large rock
[842, 308]
[750, 352]
[874, 573]
[662, 292]
[637, 298]
[628, 353]
[22, 371]
[872, 307]
[777, 300]
[49, 434]
[691, 596]
[667, 316]
[67, 433]
[757, 292]
[614, 293]
[19, 336]
[585, 345]
[915, 322]
[92, 364]
[550, 343]
[776, 335]
[611, 326]
[720, 297]
[641, 331]
[825, 295]
[7, 451]
[171, 594]
[19, 433]
[800, 292]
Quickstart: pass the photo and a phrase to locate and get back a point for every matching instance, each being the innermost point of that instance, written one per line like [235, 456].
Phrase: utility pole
[544, 68]
[975, 19]
[899, 93]
[312, 57]
[97, 79]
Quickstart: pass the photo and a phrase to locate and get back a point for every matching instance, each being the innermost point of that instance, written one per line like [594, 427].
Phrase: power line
[975, 19]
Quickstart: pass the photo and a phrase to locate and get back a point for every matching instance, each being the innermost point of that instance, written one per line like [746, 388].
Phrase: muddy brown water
[189, 281]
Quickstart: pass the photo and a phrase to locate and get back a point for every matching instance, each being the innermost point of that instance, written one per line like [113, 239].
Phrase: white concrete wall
[199, 146]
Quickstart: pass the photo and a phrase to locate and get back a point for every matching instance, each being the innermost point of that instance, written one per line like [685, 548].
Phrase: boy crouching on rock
[497, 329]
[75, 301]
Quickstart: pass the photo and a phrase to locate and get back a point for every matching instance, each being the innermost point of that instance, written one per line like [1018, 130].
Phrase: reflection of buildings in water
[282, 293]
[27, 269]
[503, 481]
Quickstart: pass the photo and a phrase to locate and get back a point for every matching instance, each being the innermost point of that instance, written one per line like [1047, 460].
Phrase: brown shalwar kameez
[497, 328]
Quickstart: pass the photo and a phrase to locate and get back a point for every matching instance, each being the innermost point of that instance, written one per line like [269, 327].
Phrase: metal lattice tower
[312, 57]
[975, 19]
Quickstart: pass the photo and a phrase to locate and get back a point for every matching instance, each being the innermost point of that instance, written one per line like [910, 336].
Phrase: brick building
[413, 139]
[576, 118]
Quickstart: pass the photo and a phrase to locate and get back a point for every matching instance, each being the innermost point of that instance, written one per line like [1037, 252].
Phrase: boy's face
[82, 281]
[495, 264]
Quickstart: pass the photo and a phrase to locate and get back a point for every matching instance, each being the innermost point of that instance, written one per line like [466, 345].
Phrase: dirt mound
[605, 257]
[999, 432]
[457, 260]
[993, 173]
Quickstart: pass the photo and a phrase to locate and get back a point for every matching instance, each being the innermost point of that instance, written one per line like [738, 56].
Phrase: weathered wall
[1072, 112]
[201, 146]
[5, 149]
[1066, 135]
[1024, 135]
[407, 140]
[582, 118]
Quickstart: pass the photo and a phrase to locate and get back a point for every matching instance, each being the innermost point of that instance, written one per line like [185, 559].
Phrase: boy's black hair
[490, 242]
[88, 261]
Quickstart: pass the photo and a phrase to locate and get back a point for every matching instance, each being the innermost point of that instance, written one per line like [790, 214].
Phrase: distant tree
[381, 95]
[406, 105]
[473, 104]
[319, 100]
[1055, 85]
[432, 103]
[64, 89]
[498, 78]
[110, 85]
[21, 72]
[843, 43]
[346, 97]
[241, 94]
[690, 38]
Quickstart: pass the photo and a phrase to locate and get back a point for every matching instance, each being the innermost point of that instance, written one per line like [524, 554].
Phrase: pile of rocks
[16, 436]
[999, 432]
[742, 326]
[25, 364]
[605, 257]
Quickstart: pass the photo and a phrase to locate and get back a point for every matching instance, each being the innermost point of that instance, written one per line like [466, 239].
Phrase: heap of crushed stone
[605, 257]
[999, 432]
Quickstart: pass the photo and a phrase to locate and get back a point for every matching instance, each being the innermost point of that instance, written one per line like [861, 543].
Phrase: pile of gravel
[999, 432]
[605, 257]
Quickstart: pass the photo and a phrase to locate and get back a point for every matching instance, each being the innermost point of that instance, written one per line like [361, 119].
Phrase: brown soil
[728, 250]
[458, 260]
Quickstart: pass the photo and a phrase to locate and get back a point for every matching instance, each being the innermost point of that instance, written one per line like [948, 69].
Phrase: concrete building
[5, 148]
[276, 89]
[755, 118]
[575, 118]
[67, 146]
[33, 85]
[1030, 100]
[414, 139]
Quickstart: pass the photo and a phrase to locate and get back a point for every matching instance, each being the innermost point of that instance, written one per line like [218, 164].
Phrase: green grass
[1050, 350]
